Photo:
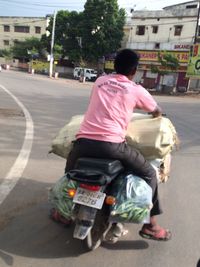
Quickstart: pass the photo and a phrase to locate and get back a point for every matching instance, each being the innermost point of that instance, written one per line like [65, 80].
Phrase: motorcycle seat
[95, 171]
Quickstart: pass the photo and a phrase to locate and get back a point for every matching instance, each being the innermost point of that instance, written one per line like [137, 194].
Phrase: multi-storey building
[14, 29]
[172, 30]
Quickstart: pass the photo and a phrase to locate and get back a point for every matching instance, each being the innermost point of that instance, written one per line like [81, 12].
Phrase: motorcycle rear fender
[84, 222]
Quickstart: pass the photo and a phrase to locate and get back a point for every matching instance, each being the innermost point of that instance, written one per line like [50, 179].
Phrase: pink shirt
[112, 102]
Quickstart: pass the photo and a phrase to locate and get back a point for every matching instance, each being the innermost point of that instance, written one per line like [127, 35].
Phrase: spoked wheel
[96, 235]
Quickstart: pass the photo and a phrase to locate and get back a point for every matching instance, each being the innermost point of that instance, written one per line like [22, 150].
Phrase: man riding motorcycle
[102, 133]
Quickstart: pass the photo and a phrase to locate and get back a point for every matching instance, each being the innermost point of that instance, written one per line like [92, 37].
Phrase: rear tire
[91, 242]
[96, 235]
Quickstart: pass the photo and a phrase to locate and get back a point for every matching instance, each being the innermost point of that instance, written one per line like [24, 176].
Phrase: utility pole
[197, 24]
[195, 37]
[52, 45]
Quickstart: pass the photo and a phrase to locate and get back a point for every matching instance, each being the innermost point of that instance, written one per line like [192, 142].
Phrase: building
[172, 30]
[15, 29]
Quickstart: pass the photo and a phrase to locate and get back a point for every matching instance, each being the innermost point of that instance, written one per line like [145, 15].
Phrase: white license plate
[89, 198]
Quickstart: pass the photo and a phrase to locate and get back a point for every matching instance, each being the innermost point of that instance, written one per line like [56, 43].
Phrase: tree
[88, 35]
[26, 50]
[102, 28]
[67, 35]
[168, 64]
[6, 53]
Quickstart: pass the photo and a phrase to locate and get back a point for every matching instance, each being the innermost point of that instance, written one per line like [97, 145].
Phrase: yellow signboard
[183, 57]
[194, 62]
[40, 65]
[109, 65]
[152, 56]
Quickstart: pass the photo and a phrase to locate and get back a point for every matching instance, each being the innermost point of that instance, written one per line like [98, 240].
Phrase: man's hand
[157, 112]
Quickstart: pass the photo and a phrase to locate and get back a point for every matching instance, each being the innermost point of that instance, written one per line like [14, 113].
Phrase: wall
[166, 22]
[11, 36]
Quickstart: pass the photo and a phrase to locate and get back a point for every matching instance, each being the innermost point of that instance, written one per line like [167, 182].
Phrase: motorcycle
[93, 199]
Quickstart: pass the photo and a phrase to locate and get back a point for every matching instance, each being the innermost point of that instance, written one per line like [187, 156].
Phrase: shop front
[151, 80]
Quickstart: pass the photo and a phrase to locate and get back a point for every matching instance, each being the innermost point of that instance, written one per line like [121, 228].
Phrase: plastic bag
[59, 198]
[162, 168]
[133, 200]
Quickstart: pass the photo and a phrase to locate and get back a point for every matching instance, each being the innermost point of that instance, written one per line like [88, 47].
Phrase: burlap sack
[153, 137]
[62, 143]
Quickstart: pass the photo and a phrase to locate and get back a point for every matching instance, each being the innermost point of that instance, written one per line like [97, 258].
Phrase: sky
[38, 8]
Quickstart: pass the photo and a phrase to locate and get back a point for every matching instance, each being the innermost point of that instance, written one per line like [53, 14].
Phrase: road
[29, 238]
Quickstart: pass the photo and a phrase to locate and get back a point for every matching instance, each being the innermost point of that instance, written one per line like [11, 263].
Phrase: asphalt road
[28, 238]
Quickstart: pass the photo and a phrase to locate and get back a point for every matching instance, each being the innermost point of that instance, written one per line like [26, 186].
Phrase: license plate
[89, 198]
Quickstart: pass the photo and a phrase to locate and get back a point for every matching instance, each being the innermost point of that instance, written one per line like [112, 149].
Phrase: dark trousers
[131, 159]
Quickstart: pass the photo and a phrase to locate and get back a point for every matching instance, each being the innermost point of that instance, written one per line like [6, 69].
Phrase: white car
[89, 74]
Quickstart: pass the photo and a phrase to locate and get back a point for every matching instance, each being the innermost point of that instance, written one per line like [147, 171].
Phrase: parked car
[89, 74]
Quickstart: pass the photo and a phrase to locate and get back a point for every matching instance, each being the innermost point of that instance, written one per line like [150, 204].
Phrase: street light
[52, 45]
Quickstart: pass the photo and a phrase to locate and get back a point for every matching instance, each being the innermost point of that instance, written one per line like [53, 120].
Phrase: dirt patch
[7, 112]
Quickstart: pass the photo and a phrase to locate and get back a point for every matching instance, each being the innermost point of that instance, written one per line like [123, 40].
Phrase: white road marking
[18, 167]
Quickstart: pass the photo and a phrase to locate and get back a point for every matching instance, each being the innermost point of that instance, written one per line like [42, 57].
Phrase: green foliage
[88, 35]
[7, 54]
[168, 63]
[67, 31]
[26, 49]
[57, 52]
[102, 28]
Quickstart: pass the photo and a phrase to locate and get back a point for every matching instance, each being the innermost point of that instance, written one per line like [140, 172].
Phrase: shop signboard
[193, 69]
[153, 57]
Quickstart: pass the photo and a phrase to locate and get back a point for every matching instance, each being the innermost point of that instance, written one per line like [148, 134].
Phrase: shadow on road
[127, 244]
[26, 229]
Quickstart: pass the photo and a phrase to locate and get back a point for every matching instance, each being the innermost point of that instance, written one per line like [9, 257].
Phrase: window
[154, 29]
[6, 28]
[178, 30]
[157, 45]
[191, 6]
[24, 29]
[140, 30]
[37, 29]
[6, 42]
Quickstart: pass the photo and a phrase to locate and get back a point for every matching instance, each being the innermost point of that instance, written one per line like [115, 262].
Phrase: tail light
[71, 192]
[110, 200]
[90, 187]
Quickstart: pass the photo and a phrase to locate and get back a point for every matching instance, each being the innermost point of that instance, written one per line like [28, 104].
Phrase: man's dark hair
[126, 62]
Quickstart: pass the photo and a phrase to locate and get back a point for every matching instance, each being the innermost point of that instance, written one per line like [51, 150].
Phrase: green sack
[133, 200]
[59, 198]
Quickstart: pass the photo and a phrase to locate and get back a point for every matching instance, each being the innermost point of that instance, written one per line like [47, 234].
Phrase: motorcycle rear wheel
[96, 235]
